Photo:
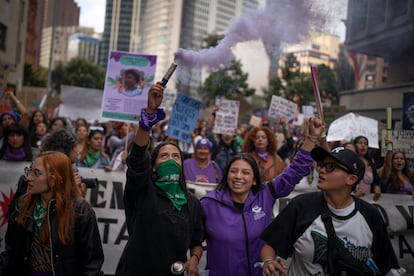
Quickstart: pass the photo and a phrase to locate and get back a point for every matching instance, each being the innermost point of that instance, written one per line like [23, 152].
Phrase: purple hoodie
[233, 242]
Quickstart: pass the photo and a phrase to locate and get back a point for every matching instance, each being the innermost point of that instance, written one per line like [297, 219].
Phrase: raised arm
[150, 115]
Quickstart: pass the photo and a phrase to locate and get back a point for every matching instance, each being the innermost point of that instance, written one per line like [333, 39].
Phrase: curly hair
[62, 140]
[248, 144]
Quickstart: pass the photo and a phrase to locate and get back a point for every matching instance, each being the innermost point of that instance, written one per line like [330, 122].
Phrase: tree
[297, 87]
[228, 82]
[34, 76]
[78, 72]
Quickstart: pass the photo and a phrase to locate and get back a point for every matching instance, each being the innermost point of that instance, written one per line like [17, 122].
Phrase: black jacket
[83, 256]
[159, 234]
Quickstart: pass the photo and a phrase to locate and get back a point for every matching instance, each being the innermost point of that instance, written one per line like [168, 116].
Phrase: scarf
[39, 213]
[91, 158]
[18, 155]
[262, 154]
[168, 174]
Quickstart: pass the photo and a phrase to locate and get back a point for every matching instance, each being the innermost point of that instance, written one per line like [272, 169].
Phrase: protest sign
[281, 107]
[183, 118]
[127, 82]
[352, 125]
[80, 102]
[402, 140]
[226, 117]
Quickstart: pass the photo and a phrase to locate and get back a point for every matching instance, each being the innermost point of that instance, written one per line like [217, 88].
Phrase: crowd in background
[270, 159]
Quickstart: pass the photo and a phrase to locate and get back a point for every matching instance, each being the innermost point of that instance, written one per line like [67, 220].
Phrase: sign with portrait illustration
[183, 118]
[128, 79]
[280, 107]
[226, 116]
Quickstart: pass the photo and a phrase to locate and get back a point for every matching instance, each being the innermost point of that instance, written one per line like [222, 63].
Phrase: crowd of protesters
[252, 168]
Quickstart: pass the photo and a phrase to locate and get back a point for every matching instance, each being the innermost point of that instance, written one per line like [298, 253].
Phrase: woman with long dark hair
[240, 208]
[163, 219]
[16, 144]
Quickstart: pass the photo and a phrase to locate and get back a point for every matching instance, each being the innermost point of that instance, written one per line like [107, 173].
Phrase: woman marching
[55, 230]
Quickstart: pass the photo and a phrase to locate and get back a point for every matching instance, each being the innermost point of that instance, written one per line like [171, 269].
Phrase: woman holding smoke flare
[163, 220]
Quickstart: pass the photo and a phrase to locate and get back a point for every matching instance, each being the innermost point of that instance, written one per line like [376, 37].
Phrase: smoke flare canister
[169, 73]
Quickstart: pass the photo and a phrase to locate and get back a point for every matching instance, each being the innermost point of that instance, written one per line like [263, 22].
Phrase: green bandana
[91, 158]
[39, 213]
[168, 174]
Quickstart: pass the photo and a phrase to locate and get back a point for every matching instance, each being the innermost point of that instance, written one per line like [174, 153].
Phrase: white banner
[80, 102]
[397, 211]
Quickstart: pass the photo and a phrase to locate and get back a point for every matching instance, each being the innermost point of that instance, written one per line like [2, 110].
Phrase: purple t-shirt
[210, 174]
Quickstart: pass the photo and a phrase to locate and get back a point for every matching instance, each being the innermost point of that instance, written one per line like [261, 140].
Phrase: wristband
[148, 120]
[198, 258]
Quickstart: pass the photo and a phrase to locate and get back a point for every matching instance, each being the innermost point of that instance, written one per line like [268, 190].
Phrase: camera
[90, 183]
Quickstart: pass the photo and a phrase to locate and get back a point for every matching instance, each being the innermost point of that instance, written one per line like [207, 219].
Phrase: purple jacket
[233, 242]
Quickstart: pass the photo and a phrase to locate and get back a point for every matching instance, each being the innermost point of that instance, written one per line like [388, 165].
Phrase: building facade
[382, 28]
[317, 49]
[84, 46]
[13, 22]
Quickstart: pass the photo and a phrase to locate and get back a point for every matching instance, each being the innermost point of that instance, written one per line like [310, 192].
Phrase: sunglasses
[331, 166]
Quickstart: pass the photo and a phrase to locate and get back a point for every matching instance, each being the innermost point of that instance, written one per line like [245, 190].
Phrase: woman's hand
[191, 265]
[377, 192]
[271, 267]
[155, 96]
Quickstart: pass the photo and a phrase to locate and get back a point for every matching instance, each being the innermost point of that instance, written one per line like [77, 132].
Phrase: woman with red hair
[261, 144]
[56, 232]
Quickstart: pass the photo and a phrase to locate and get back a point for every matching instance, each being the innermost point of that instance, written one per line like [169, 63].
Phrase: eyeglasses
[98, 128]
[28, 172]
[330, 167]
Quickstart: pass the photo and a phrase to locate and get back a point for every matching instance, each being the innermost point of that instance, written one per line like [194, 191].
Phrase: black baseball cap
[344, 156]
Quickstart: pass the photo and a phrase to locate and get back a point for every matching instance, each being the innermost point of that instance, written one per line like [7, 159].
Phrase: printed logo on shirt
[258, 212]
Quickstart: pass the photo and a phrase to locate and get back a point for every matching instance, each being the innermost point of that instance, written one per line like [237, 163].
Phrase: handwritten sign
[226, 116]
[127, 82]
[280, 107]
[402, 141]
[352, 125]
[183, 118]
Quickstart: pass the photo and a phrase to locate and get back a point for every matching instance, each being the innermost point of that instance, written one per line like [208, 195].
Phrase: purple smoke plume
[280, 21]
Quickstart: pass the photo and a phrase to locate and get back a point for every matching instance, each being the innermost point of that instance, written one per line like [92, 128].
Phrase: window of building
[3, 33]
[369, 77]
[384, 79]
[398, 8]
[316, 46]
[377, 11]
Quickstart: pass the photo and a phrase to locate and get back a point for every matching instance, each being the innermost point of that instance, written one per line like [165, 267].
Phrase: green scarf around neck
[39, 213]
[91, 158]
[168, 175]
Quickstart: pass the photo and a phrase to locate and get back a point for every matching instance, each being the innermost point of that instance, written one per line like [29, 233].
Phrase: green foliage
[297, 87]
[228, 82]
[34, 76]
[78, 72]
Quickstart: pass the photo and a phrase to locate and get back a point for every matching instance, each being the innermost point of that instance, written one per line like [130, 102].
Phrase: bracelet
[194, 254]
[17, 102]
[148, 120]
[315, 140]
